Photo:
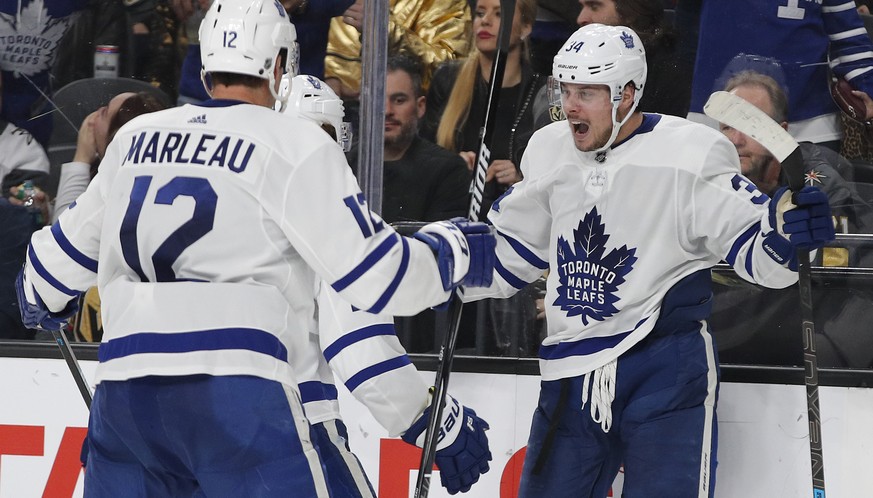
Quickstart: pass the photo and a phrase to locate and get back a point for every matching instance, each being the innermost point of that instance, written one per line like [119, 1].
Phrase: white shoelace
[601, 392]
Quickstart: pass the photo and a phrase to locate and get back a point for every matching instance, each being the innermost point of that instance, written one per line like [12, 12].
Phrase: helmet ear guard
[597, 54]
[247, 37]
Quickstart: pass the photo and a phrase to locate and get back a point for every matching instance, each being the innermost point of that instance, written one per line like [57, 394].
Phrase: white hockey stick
[739, 114]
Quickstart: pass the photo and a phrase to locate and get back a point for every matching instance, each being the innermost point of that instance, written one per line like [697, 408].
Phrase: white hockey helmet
[313, 99]
[245, 37]
[597, 54]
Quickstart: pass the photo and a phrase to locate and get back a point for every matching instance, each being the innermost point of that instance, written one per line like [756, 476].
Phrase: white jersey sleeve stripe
[376, 370]
[378, 253]
[392, 287]
[847, 34]
[857, 72]
[254, 340]
[838, 8]
[524, 252]
[68, 248]
[48, 277]
[356, 336]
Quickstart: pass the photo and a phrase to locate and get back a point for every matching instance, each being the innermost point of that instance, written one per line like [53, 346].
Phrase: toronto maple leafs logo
[28, 40]
[627, 39]
[589, 278]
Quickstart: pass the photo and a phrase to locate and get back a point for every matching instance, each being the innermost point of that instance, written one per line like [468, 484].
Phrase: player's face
[486, 25]
[589, 114]
[402, 109]
[103, 118]
[598, 11]
[754, 158]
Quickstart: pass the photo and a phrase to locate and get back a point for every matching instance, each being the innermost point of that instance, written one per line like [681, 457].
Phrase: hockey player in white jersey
[205, 231]
[370, 361]
[629, 211]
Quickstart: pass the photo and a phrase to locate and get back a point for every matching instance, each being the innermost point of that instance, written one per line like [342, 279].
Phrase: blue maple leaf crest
[588, 279]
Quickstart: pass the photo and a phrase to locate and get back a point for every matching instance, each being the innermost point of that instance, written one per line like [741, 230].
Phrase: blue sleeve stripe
[376, 370]
[44, 273]
[750, 256]
[508, 276]
[366, 264]
[72, 252]
[525, 253]
[317, 391]
[255, 340]
[357, 336]
[392, 287]
[741, 241]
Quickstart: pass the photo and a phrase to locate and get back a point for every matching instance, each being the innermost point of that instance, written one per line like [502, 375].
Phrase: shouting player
[629, 212]
[205, 230]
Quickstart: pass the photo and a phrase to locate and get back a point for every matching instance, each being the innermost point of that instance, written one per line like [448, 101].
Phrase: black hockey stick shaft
[793, 166]
[483, 158]
[748, 119]
[73, 364]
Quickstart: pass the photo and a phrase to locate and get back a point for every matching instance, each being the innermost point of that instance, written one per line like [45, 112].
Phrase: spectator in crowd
[95, 133]
[30, 34]
[422, 181]
[458, 97]
[668, 84]
[433, 30]
[556, 21]
[805, 39]
[824, 168]
[456, 106]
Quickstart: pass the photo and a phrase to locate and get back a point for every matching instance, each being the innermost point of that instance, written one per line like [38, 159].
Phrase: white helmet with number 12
[246, 37]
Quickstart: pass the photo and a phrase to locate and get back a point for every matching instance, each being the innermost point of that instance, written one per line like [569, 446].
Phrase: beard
[405, 135]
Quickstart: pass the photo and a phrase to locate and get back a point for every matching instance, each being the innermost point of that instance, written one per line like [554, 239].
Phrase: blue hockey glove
[464, 251]
[462, 453]
[36, 315]
[802, 221]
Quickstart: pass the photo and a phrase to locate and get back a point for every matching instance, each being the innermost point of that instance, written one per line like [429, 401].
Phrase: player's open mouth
[579, 128]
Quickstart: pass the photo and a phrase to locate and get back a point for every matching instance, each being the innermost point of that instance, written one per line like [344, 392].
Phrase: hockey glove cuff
[464, 251]
[36, 315]
[462, 453]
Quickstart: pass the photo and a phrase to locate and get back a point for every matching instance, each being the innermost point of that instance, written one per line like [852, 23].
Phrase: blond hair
[457, 109]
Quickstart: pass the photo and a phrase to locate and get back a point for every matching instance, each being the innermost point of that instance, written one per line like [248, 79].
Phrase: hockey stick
[73, 364]
[483, 158]
[742, 116]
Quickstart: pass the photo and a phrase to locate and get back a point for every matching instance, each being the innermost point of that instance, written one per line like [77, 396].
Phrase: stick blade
[739, 114]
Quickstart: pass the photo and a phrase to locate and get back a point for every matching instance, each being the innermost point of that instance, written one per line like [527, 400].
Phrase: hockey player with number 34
[363, 350]
[629, 212]
[206, 230]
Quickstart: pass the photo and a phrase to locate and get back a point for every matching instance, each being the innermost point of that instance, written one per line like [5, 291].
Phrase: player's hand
[802, 221]
[464, 251]
[35, 315]
[462, 453]
[469, 157]
[504, 171]
[868, 103]
[86, 144]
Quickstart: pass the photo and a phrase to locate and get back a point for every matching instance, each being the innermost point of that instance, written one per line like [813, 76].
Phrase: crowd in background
[444, 50]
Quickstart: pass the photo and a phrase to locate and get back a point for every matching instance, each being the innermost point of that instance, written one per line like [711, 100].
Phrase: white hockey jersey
[210, 224]
[367, 357]
[617, 235]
